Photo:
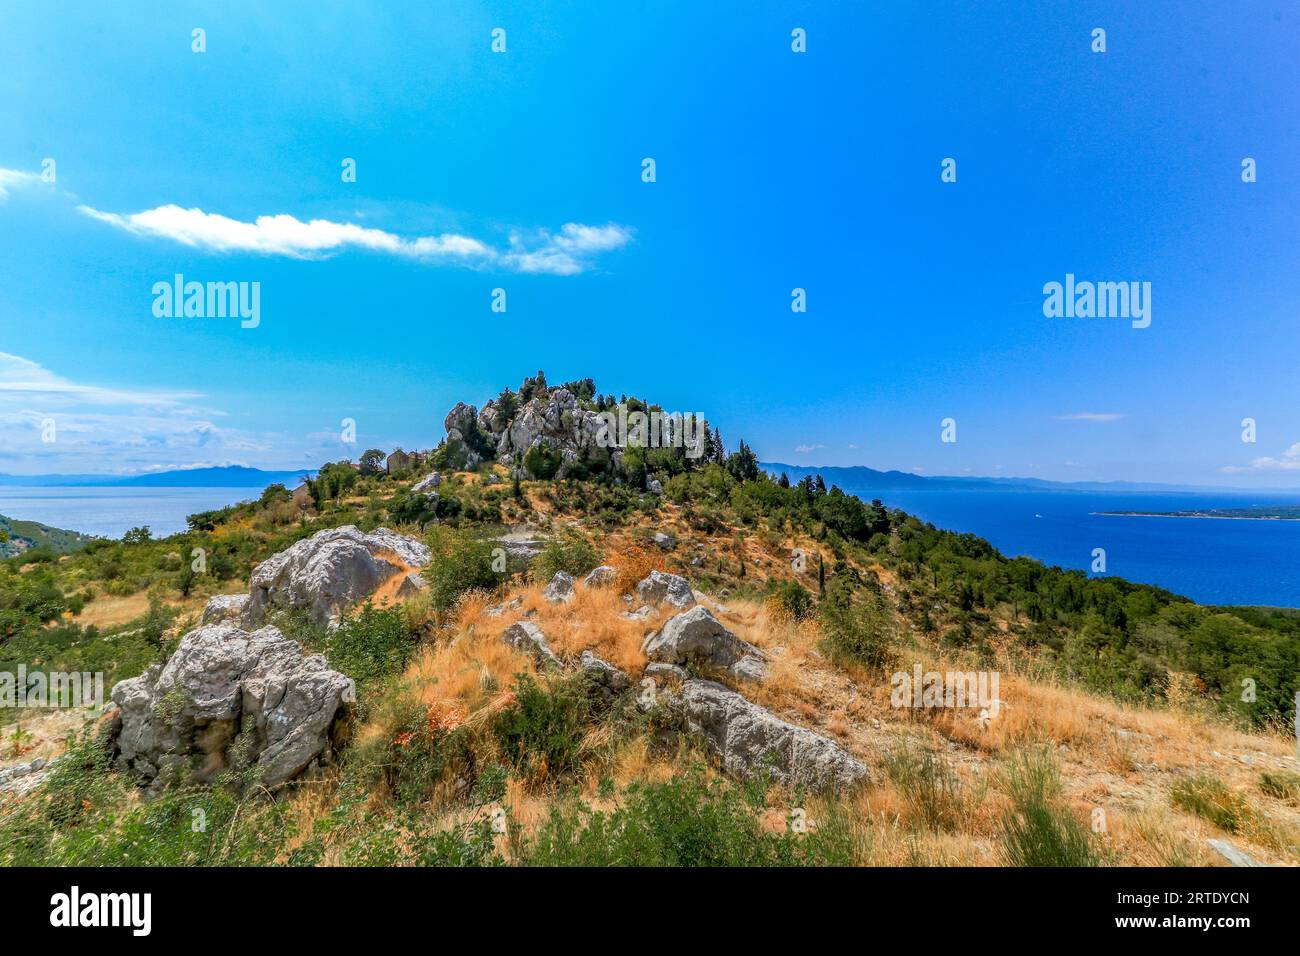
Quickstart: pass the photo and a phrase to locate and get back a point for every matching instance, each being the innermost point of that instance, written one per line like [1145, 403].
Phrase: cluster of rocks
[238, 694]
[554, 421]
[747, 739]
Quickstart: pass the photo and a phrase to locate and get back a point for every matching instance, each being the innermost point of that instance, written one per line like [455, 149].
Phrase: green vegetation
[19, 537]
[1039, 830]
[1211, 799]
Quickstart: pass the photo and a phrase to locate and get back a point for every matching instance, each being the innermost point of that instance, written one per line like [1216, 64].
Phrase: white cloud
[1091, 417]
[24, 380]
[804, 449]
[1290, 461]
[53, 424]
[566, 253]
[14, 178]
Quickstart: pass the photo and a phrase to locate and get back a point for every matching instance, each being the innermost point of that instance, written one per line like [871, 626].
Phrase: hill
[18, 537]
[830, 682]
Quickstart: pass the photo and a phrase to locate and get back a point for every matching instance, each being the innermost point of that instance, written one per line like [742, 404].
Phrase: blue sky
[775, 170]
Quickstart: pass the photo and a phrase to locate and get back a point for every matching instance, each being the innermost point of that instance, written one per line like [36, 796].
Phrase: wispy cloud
[568, 252]
[25, 381]
[805, 449]
[14, 178]
[1289, 461]
[1091, 417]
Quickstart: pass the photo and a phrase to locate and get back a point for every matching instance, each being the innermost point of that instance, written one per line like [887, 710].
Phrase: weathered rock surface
[665, 541]
[640, 614]
[225, 607]
[697, 637]
[25, 777]
[749, 739]
[560, 589]
[427, 483]
[527, 637]
[605, 675]
[601, 576]
[661, 586]
[327, 572]
[226, 691]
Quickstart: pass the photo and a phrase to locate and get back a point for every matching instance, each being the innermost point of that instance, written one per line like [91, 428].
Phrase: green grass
[1039, 830]
[1211, 799]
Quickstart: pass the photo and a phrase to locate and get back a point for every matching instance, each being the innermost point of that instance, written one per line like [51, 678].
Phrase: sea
[109, 512]
[1211, 560]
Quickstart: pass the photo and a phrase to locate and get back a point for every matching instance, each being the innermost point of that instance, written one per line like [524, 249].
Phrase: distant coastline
[1284, 513]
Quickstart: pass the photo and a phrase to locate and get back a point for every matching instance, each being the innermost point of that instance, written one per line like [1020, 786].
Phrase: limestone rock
[527, 637]
[661, 586]
[427, 483]
[228, 691]
[604, 675]
[560, 589]
[601, 576]
[225, 607]
[329, 571]
[697, 637]
[749, 739]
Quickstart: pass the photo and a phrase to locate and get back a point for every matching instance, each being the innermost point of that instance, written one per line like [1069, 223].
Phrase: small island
[1251, 513]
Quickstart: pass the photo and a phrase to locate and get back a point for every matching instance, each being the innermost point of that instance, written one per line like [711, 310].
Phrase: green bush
[686, 821]
[541, 732]
[857, 628]
[794, 599]
[570, 552]
[461, 563]
[1039, 830]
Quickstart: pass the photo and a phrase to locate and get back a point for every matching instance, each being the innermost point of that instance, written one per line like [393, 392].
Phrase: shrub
[570, 552]
[791, 599]
[933, 791]
[1038, 830]
[686, 821]
[857, 628]
[541, 731]
[460, 564]
[1211, 799]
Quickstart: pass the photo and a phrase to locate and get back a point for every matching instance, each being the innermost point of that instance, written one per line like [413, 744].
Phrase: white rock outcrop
[749, 739]
[697, 637]
[226, 696]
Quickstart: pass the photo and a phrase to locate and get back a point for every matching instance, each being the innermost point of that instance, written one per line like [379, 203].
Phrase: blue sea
[109, 512]
[1211, 560]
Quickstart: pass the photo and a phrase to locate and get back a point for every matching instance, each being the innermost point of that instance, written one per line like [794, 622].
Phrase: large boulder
[527, 637]
[661, 586]
[697, 637]
[329, 571]
[750, 740]
[227, 696]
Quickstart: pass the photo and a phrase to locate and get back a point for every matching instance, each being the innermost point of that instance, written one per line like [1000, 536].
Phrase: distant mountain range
[231, 476]
[864, 482]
